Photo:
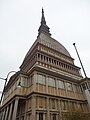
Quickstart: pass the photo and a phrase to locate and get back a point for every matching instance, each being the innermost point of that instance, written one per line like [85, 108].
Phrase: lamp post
[80, 60]
[87, 91]
[5, 79]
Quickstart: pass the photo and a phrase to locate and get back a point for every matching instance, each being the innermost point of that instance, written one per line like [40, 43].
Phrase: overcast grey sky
[69, 22]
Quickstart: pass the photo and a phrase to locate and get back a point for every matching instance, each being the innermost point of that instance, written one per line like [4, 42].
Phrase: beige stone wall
[48, 105]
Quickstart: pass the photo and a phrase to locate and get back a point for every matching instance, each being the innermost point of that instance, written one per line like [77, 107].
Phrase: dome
[52, 43]
[49, 42]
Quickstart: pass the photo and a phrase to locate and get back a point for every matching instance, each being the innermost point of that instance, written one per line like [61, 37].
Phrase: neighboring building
[51, 85]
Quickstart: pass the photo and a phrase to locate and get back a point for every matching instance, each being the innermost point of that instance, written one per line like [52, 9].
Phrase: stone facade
[51, 85]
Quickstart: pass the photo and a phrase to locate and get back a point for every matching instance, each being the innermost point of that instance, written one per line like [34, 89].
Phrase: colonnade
[9, 112]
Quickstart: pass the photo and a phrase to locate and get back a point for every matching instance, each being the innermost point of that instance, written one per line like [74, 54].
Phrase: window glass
[54, 116]
[41, 101]
[69, 86]
[77, 88]
[63, 105]
[61, 84]
[53, 104]
[23, 81]
[29, 81]
[40, 79]
[26, 81]
[84, 87]
[51, 82]
[40, 116]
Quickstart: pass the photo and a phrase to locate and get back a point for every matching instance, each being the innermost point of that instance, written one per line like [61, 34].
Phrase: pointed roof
[44, 38]
[43, 27]
[43, 18]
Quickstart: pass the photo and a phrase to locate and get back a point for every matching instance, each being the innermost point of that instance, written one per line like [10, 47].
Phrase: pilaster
[48, 113]
[6, 113]
[15, 109]
[9, 117]
[33, 108]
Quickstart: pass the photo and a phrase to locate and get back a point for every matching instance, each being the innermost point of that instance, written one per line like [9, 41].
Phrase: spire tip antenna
[42, 10]
[74, 44]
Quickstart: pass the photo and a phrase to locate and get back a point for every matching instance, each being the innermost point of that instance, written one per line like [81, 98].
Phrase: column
[87, 85]
[9, 117]
[73, 87]
[56, 116]
[26, 106]
[6, 113]
[15, 109]
[57, 91]
[34, 81]
[40, 60]
[46, 84]
[60, 110]
[48, 113]
[3, 114]
[37, 102]
[44, 118]
[37, 116]
[81, 88]
[33, 108]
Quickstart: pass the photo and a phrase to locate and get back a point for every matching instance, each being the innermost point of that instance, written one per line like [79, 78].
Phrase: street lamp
[87, 91]
[5, 79]
[80, 60]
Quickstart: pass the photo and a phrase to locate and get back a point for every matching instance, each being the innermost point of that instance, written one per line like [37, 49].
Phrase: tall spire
[43, 27]
[43, 18]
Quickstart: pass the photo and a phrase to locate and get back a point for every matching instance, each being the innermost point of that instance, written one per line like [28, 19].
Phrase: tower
[50, 83]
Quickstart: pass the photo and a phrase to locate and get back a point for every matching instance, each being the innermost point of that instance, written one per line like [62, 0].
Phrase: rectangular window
[61, 84]
[69, 86]
[40, 79]
[23, 81]
[54, 116]
[40, 116]
[77, 88]
[26, 81]
[53, 104]
[41, 102]
[29, 81]
[29, 103]
[83, 86]
[51, 82]
[63, 105]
